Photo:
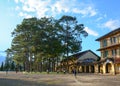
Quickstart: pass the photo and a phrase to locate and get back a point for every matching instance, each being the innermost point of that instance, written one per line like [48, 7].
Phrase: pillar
[90, 69]
[96, 68]
[113, 69]
[104, 68]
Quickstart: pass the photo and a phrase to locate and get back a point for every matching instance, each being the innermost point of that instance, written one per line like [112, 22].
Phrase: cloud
[91, 32]
[112, 24]
[17, 8]
[16, 1]
[25, 15]
[99, 18]
[86, 11]
[52, 8]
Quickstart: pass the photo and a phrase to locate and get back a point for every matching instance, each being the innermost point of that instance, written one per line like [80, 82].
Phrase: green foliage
[12, 66]
[43, 40]
[2, 67]
[71, 33]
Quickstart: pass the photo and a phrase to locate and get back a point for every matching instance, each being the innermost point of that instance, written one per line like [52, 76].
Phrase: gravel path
[82, 79]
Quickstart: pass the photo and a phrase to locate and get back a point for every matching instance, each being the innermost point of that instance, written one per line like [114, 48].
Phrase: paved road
[82, 79]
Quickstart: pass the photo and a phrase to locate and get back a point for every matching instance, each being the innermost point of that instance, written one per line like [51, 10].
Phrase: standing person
[64, 71]
[75, 72]
[16, 69]
[6, 71]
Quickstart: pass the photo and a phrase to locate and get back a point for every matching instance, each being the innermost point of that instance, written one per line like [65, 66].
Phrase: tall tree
[2, 67]
[37, 42]
[8, 59]
[71, 32]
[23, 44]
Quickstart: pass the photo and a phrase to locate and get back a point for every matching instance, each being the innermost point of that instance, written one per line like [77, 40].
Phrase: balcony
[109, 46]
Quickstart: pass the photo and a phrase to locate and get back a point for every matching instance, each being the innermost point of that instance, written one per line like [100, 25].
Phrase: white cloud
[100, 18]
[16, 1]
[28, 9]
[87, 11]
[52, 8]
[91, 32]
[112, 24]
[25, 15]
[17, 8]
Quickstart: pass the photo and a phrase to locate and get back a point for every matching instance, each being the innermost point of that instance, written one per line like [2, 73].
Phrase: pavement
[39, 79]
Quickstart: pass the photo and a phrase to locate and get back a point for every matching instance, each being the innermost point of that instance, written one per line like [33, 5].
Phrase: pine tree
[2, 66]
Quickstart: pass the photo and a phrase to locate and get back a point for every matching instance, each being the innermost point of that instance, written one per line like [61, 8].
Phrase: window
[105, 54]
[113, 40]
[104, 43]
[114, 52]
[119, 39]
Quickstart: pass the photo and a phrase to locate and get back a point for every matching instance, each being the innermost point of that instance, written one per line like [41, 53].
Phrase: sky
[98, 16]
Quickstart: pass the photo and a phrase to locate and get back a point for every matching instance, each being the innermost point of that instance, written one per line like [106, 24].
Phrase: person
[64, 71]
[16, 69]
[75, 72]
[47, 71]
[6, 71]
[58, 71]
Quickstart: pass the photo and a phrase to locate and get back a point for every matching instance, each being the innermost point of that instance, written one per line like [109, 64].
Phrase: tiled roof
[78, 55]
[110, 33]
[113, 59]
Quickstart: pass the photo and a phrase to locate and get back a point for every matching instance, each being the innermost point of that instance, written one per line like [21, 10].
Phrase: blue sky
[98, 16]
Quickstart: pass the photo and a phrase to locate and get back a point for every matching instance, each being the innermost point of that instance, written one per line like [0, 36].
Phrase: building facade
[83, 62]
[110, 52]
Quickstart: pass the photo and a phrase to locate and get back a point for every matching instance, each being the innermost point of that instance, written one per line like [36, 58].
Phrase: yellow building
[83, 62]
[110, 52]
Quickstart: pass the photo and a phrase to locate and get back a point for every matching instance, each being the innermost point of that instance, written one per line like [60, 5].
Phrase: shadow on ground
[16, 82]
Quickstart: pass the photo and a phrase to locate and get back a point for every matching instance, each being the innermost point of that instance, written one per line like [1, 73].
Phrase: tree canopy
[45, 40]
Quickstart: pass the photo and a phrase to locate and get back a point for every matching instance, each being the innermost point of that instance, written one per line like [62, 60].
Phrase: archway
[108, 67]
[92, 69]
[87, 69]
[83, 69]
[98, 68]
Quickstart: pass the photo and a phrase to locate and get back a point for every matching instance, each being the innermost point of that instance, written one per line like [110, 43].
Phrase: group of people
[16, 70]
[73, 71]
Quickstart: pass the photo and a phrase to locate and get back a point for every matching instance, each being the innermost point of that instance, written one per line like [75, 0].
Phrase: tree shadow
[17, 82]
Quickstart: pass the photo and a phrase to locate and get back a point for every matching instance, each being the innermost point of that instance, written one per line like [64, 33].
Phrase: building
[110, 52]
[82, 62]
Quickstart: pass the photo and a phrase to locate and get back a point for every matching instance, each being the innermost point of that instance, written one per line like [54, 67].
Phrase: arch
[87, 69]
[98, 68]
[92, 69]
[108, 67]
[83, 69]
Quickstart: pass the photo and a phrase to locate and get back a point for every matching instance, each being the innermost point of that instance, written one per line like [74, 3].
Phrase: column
[96, 68]
[90, 69]
[104, 68]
